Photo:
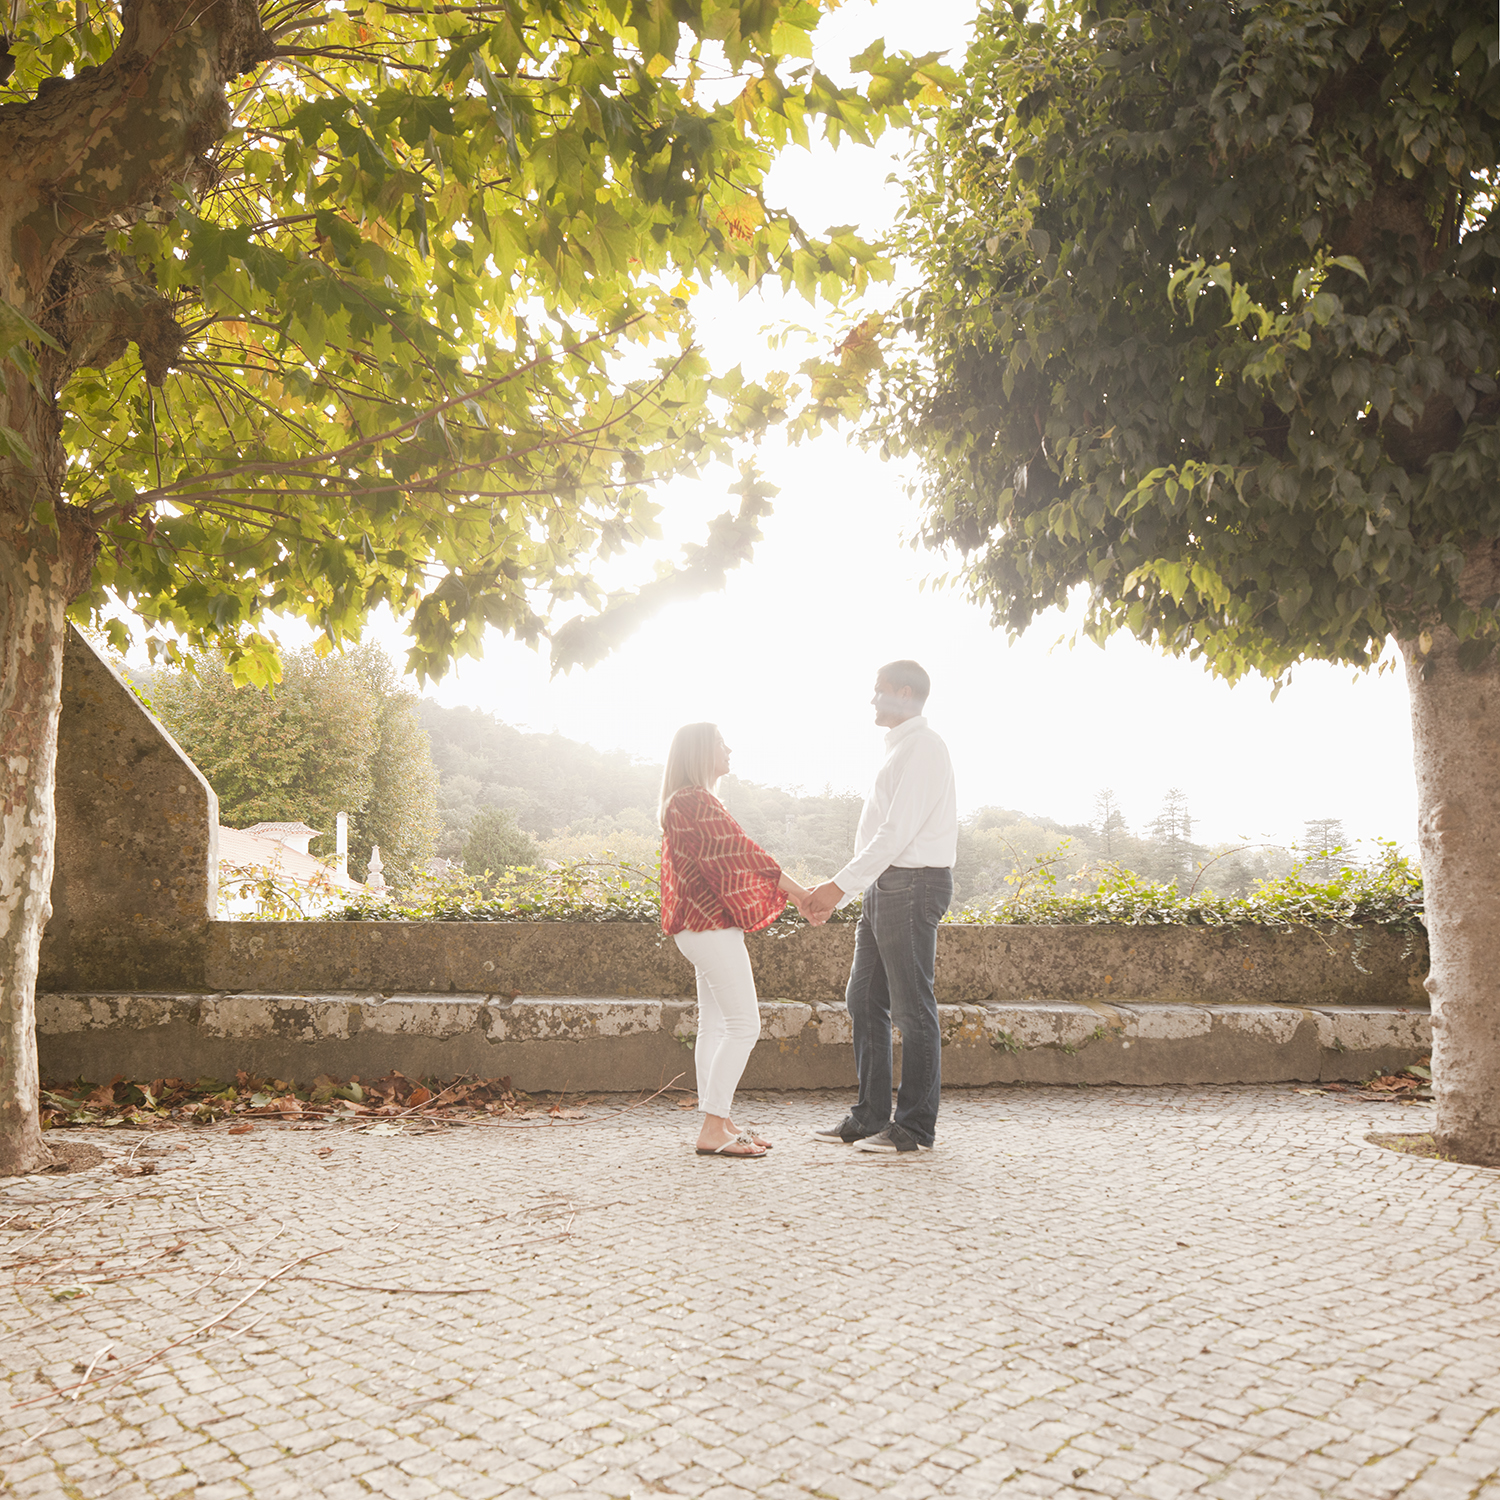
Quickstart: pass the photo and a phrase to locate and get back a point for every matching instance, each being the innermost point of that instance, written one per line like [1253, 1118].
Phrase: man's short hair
[906, 674]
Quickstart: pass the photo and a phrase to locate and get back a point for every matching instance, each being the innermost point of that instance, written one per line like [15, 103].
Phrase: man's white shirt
[910, 818]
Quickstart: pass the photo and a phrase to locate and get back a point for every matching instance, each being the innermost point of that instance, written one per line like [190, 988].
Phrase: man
[905, 848]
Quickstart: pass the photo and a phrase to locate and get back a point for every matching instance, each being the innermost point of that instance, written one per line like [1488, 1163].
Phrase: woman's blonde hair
[690, 762]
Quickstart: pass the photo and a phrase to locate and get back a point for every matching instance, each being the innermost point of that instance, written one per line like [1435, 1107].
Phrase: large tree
[1208, 334]
[338, 733]
[312, 305]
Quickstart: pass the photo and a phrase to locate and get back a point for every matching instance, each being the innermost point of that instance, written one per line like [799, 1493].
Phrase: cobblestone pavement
[1224, 1292]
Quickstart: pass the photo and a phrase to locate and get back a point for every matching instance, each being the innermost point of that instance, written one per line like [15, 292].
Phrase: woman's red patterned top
[713, 874]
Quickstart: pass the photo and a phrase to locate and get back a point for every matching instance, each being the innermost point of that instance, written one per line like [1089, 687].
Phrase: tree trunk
[37, 577]
[1456, 738]
[88, 155]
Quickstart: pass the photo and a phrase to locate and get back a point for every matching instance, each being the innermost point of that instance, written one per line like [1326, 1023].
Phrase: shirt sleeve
[917, 793]
[733, 866]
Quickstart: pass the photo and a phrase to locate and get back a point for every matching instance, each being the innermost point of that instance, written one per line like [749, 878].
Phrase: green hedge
[1386, 894]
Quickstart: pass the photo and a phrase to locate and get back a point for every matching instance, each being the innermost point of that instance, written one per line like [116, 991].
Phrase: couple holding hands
[717, 884]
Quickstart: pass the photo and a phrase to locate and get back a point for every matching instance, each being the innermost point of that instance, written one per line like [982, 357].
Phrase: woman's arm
[788, 886]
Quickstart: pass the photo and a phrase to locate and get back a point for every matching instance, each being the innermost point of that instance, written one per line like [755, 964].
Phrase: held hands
[815, 905]
[799, 898]
[820, 903]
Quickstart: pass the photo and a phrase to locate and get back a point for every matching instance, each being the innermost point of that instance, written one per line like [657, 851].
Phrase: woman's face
[721, 759]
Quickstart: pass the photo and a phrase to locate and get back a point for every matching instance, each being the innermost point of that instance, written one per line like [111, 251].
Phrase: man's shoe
[893, 1138]
[845, 1133]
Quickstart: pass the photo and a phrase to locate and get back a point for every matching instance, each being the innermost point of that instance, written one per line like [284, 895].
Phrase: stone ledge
[620, 1043]
[975, 964]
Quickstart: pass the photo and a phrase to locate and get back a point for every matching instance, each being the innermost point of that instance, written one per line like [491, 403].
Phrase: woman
[717, 884]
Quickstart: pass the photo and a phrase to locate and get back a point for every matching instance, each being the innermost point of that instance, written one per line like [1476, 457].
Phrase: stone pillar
[137, 869]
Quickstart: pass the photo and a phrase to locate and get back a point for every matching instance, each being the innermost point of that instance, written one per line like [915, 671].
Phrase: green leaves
[17, 334]
[1206, 327]
[435, 289]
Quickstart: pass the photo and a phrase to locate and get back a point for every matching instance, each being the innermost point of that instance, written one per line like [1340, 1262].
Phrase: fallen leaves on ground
[1410, 1085]
[167, 1102]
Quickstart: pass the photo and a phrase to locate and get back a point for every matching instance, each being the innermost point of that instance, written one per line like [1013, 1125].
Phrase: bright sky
[784, 658]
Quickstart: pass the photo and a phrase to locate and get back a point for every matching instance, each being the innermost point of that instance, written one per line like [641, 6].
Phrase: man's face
[892, 705]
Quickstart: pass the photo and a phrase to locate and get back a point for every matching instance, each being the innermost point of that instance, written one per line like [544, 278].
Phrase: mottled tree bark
[85, 156]
[38, 574]
[1456, 740]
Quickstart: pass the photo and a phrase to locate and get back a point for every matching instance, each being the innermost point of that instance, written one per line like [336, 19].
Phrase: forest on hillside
[573, 801]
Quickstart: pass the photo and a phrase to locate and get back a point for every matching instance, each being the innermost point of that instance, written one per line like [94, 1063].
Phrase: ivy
[1386, 895]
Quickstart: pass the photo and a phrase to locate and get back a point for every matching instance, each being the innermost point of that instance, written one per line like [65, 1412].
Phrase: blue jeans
[895, 950]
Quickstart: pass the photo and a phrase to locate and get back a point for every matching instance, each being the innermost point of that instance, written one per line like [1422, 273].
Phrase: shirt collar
[900, 732]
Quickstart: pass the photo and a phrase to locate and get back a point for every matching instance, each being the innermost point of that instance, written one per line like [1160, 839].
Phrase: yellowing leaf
[741, 218]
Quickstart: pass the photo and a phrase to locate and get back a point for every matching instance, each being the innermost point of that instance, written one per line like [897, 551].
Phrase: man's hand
[821, 901]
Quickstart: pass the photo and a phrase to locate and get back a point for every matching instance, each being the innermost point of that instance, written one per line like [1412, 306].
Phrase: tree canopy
[1208, 326]
[391, 303]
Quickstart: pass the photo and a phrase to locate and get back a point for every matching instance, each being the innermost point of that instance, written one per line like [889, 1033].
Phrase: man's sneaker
[892, 1138]
[845, 1133]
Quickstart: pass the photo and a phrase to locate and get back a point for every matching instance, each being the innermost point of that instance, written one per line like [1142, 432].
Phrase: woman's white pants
[728, 1013]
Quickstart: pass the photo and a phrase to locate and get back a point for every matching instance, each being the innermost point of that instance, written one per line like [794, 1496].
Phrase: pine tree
[1109, 825]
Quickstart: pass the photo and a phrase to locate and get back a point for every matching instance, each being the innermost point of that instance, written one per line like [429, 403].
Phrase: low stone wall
[975, 965]
[625, 1044]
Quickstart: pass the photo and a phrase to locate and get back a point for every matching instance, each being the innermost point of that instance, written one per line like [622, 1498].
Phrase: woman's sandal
[742, 1139]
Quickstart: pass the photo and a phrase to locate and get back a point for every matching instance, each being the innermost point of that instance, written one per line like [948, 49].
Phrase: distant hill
[547, 780]
[575, 800]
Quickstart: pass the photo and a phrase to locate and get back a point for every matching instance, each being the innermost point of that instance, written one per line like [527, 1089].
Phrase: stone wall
[976, 964]
[136, 874]
[623, 1044]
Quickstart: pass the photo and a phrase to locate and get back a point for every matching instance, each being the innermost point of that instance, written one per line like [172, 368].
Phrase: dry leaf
[241, 1129]
[134, 1168]
[325, 1150]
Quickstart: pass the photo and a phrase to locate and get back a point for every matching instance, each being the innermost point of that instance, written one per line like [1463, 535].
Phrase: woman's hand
[801, 898]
